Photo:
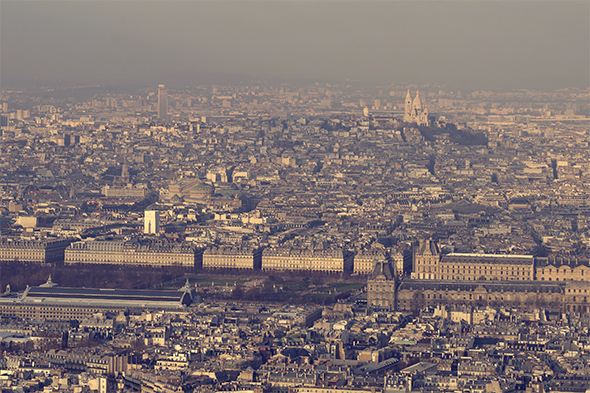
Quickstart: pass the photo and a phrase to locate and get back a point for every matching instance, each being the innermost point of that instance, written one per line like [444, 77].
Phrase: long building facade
[562, 269]
[228, 257]
[331, 260]
[428, 263]
[51, 302]
[134, 253]
[518, 281]
[412, 294]
[486, 267]
[37, 251]
[567, 297]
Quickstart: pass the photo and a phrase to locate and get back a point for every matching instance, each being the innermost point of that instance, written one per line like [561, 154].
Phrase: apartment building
[232, 257]
[364, 261]
[333, 260]
[37, 251]
[482, 267]
[562, 269]
[133, 252]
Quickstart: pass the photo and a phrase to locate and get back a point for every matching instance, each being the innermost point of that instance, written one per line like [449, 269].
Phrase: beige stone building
[519, 281]
[232, 257]
[417, 294]
[429, 264]
[577, 296]
[324, 389]
[402, 261]
[415, 111]
[426, 256]
[145, 253]
[482, 267]
[364, 261]
[562, 269]
[124, 192]
[381, 287]
[333, 260]
[37, 251]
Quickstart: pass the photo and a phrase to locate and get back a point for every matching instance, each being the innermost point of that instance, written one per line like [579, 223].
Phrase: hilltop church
[415, 111]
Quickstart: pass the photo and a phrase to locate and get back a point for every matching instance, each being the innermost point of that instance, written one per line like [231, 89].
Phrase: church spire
[125, 171]
[408, 107]
[415, 110]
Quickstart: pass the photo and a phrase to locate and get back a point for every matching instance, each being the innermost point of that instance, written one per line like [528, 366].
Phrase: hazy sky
[462, 44]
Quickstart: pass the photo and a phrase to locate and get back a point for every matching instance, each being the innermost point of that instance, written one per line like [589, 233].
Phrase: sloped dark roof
[106, 297]
[294, 353]
[560, 261]
[489, 286]
[488, 258]
[382, 268]
[106, 294]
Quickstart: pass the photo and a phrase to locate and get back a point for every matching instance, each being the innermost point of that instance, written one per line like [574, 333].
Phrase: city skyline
[464, 45]
[257, 236]
[295, 196]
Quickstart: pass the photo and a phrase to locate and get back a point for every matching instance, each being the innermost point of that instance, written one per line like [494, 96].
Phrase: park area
[302, 287]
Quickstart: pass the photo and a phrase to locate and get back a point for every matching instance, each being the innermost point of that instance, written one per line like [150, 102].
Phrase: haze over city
[295, 196]
[460, 44]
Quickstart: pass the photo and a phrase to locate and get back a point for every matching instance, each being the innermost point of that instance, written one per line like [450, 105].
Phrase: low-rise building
[51, 302]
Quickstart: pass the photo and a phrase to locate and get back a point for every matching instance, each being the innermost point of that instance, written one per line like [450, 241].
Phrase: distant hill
[460, 137]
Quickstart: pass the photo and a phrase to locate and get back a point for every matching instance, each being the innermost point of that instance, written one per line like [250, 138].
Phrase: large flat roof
[98, 297]
[489, 258]
[489, 286]
[99, 293]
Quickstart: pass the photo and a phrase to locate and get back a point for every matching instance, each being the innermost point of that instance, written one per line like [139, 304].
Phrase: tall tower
[162, 102]
[151, 222]
[408, 108]
[125, 172]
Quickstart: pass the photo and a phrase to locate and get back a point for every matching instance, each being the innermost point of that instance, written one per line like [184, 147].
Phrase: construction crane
[102, 202]
[36, 191]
